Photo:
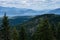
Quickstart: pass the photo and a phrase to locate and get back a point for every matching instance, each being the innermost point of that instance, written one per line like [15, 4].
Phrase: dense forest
[41, 27]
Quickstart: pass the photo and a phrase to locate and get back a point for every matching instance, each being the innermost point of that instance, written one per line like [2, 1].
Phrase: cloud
[31, 4]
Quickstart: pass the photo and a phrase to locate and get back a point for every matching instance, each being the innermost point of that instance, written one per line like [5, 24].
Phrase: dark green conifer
[22, 33]
[44, 31]
[15, 35]
[5, 28]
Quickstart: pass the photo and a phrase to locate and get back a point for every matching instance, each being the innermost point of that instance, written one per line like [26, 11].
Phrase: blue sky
[31, 4]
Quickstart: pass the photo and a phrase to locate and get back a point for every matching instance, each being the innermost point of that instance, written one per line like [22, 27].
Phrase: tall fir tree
[5, 28]
[58, 32]
[15, 34]
[44, 31]
[1, 35]
[22, 34]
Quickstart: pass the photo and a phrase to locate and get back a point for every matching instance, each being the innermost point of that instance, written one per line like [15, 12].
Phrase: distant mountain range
[55, 11]
[17, 19]
[25, 12]
[19, 12]
[21, 15]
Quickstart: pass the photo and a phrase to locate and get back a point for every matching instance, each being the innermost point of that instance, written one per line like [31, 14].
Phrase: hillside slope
[32, 24]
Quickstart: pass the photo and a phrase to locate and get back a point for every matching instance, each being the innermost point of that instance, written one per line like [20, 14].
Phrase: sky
[31, 4]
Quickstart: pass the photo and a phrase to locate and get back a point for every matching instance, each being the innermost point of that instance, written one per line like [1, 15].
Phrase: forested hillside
[41, 27]
[45, 21]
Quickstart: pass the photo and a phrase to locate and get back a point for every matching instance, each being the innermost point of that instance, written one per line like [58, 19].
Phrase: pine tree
[5, 28]
[0, 34]
[44, 31]
[58, 32]
[15, 34]
[22, 34]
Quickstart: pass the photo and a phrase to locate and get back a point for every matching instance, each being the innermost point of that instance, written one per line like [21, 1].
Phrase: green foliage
[15, 34]
[44, 31]
[5, 28]
[22, 33]
[58, 31]
[44, 27]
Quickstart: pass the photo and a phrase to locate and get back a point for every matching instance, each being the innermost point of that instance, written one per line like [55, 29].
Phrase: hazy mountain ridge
[56, 11]
[25, 12]
[17, 11]
[22, 14]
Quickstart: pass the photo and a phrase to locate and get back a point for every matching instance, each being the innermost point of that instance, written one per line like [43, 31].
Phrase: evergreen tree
[1, 35]
[44, 31]
[5, 28]
[22, 34]
[15, 34]
[58, 32]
